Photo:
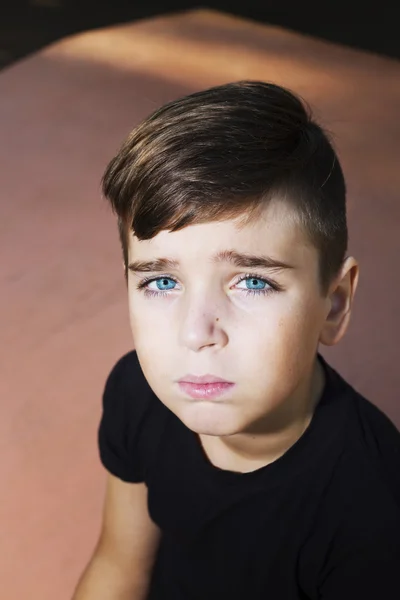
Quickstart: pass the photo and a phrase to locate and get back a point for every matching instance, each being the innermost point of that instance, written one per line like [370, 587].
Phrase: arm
[121, 566]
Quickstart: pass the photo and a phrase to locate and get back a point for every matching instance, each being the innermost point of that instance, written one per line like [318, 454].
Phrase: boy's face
[202, 320]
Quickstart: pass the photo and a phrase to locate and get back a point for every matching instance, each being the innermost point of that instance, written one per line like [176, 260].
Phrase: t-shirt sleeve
[125, 406]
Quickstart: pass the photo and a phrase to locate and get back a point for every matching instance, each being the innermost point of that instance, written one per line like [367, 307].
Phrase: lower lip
[205, 390]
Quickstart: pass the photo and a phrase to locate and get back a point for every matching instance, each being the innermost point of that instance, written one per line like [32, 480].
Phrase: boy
[241, 465]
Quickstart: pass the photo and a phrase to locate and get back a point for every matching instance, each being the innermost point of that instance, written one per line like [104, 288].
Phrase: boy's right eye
[162, 283]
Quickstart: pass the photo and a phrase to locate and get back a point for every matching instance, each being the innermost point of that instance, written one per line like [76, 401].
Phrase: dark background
[26, 26]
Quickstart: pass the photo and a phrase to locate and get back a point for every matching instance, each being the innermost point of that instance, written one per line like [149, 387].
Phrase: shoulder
[127, 395]
[131, 419]
[363, 495]
[127, 385]
[374, 442]
[126, 373]
[370, 439]
[375, 420]
[362, 553]
[358, 518]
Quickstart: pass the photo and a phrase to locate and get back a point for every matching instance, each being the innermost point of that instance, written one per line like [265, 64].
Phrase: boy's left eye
[259, 283]
[254, 285]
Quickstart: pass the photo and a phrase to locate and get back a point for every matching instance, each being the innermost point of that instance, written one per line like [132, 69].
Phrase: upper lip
[202, 379]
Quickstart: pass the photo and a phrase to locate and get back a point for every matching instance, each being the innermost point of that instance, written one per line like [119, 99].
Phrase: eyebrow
[238, 259]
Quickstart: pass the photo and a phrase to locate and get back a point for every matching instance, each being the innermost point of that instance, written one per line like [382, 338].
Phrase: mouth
[205, 391]
[202, 379]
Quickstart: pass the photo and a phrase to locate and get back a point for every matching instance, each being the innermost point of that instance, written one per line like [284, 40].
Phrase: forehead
[275, 232]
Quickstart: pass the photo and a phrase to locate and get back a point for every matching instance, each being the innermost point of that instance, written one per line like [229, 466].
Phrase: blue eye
[255, 285]
[163, 282]
[163, 285]
[259, 284]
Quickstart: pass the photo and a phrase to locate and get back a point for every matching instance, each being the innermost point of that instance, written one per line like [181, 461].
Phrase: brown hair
[222, 153]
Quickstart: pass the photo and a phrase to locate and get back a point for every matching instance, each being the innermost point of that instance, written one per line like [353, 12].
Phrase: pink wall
[63, 113]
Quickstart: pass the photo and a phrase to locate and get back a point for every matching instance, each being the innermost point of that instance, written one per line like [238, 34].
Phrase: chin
[209, 422]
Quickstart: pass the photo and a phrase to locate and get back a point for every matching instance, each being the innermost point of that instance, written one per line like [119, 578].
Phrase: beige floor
[63, 112]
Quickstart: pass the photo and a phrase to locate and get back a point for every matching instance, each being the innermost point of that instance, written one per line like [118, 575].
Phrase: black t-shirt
[321, 522]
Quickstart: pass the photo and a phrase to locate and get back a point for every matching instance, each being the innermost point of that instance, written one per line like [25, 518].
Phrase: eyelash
[273, 287]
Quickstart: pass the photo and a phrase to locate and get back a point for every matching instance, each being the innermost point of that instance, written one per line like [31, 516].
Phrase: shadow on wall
[28, 25]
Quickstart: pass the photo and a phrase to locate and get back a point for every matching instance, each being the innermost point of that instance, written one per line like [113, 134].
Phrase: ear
[340, 303]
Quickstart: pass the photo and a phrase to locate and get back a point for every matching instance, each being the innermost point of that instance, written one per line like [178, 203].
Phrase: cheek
[142, 313]
[288, 334]
[151, 332]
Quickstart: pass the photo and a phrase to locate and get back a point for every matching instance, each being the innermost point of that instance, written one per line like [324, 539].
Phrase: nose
[201, 327]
